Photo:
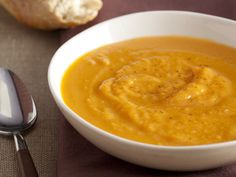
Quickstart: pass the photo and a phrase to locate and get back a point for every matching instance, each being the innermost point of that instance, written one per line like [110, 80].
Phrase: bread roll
[53, 14]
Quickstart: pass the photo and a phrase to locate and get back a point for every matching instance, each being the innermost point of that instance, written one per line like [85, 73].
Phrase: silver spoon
[17, 113]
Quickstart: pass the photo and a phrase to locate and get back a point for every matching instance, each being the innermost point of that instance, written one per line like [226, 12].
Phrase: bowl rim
[116, 137]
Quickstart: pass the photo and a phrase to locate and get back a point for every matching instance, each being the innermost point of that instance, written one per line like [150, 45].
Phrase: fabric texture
[28, 52]
[79, 158]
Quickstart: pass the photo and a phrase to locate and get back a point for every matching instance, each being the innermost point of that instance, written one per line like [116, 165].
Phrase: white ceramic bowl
[180, 158]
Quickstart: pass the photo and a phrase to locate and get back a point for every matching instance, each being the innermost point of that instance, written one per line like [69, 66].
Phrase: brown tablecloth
[28, 52]
[79, 158]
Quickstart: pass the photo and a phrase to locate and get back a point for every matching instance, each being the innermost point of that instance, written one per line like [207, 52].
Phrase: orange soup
[169, 90]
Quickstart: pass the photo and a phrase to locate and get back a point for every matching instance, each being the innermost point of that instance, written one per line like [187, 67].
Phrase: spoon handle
[25, 162]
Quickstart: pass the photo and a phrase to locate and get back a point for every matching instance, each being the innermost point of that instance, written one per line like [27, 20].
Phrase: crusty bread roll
[53, 14]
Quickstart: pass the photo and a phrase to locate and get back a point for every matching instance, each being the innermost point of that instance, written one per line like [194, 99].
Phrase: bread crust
[53, 14]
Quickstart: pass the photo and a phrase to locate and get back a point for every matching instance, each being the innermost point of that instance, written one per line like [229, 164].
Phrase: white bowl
[180, 158]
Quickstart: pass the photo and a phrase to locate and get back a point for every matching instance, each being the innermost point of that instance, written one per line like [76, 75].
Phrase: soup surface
[169, 90]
